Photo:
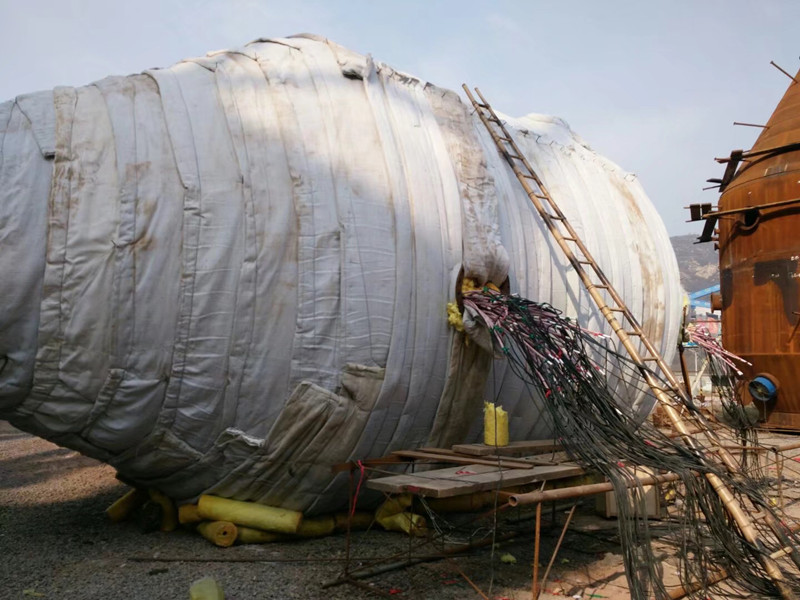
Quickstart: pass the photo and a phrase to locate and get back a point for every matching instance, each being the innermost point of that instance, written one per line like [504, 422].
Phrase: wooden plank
[553, 458]
[513, 448]
[467, 479]
[496, 462]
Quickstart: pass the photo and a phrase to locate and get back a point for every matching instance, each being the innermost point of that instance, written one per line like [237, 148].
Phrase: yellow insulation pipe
[248, 535]
[317, 526]
[393, 516]
[169, 515]
[122, 508]
[249, 514]
[220, 533]
[188, 514]
[361, 520]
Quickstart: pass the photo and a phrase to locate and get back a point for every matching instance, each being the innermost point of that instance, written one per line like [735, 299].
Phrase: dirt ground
[55, 542]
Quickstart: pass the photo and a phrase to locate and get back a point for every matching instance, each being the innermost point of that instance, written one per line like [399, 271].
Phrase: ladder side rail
[535, 195]
[570, 255]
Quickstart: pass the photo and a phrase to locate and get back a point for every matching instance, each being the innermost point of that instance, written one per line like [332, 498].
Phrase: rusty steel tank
[759, 246]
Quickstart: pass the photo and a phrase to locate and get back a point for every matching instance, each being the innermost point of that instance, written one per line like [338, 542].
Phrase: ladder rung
[650, 358]
[601, 286]
[636, 333]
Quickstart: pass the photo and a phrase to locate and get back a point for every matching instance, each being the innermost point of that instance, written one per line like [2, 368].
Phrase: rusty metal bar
[734, 211]
[472, 584]
[556, 549]
[536, 540]
[371, 571]
[772, 62]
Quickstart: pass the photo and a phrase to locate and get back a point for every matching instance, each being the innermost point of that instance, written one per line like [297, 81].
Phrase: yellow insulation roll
[406, 522]
[393, 516]
[169, 514]
[122, 508]
[495, 425]
[187, 513]
[248, 535]
[360, 520]
[249, 514]
[317, 526]
[221, 533]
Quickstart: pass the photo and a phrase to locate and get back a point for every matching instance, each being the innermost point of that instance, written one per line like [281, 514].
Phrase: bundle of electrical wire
[701, 336]
[567, 366]
[726, 377]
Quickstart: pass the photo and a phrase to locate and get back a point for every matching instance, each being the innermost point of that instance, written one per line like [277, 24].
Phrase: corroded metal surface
[760, 260]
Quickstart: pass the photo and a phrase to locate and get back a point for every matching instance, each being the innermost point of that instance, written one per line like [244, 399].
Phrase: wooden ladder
[652, 366]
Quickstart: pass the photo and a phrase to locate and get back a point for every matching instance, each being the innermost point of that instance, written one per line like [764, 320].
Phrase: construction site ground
[55, 542]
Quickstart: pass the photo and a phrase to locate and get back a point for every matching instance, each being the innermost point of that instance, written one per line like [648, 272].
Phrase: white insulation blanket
[228, 275]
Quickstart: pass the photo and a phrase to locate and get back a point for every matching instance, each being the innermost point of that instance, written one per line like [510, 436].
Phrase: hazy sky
[653, 85]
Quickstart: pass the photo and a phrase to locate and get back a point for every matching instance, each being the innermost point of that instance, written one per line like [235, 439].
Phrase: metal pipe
[584, 490]
[772, 62]
[750, 125]
[734, 211]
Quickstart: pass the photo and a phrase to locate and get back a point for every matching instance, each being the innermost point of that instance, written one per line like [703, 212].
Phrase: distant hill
[698, 263]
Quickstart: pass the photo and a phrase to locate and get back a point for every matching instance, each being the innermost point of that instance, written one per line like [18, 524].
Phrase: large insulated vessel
[759, 245]
[228, 275]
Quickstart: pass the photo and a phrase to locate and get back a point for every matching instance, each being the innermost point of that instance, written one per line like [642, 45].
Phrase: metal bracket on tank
[738, 156]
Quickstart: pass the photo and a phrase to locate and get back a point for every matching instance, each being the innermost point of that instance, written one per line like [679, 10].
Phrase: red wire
[358, 488]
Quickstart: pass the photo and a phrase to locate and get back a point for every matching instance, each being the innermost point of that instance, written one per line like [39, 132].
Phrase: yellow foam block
[206, 588]
[495, 425]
